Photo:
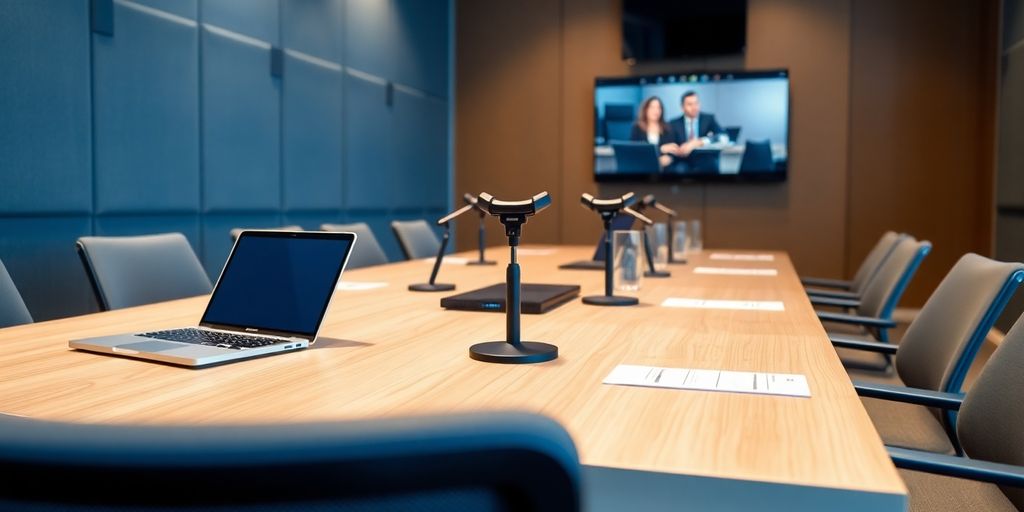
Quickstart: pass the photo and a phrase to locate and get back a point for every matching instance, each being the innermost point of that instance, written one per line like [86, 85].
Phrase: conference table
[385, 351]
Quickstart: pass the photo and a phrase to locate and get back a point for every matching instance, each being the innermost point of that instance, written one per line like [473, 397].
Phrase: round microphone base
[657, 273]
[482, 262]
[427, 287]
[678, 261]
[610, 300]
[503, 352]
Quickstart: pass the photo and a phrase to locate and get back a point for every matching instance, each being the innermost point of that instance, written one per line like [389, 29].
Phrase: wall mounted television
[692, 126]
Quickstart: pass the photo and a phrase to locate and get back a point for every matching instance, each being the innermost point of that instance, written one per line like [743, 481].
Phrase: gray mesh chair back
[416, 239]
[885, 289]
[479, 462]
[367, 251]
[130, 271]
[990, 425]
[12, 308]
[874, 260]
[237, 231]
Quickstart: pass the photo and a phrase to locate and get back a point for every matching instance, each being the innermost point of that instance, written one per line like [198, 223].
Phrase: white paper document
[782, 384]
[448, 260]
[355, 286]
[728, 271]
[752, 305]
[725, 256]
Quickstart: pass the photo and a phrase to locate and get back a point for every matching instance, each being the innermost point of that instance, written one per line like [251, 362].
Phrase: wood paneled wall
[524, 122]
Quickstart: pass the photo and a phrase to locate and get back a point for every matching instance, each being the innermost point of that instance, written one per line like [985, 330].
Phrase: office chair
[12, 307]
[618, 121]
[238, 231]
[852, 289]
[367, 251]
[757, 157]
[733, 132]
[416, 238]
[872, 317]
[456, 462]
[127, 271]
[937, 351]
[989, 427]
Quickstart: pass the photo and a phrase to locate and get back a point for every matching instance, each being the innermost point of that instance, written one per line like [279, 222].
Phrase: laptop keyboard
[212, 338]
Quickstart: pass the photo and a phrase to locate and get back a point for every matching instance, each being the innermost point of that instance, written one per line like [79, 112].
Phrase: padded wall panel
[420, 43]
[133, 225]
[184, 8]
[254, 18]
[241, 125]
[311, 221]
[313, 27]
[45, 127]
[369, 37]
[420, 151]
[372, 180]
[312, 134]
[216, 236]
[146, 121]
[39, 252]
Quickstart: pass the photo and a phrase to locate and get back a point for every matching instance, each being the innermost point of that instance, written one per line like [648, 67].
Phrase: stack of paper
[728, 271]
[754, 305]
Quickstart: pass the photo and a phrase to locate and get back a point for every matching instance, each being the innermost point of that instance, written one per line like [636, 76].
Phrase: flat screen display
[673, 29]
[692, 126]
[279, 282]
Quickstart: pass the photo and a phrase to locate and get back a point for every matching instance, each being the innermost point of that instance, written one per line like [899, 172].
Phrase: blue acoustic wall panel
[312, 115]
[241, 124]
[421, 150]
[216, 236]
[311, 221]
[253, 18]
[39, 252]
[184, 8]
[370, 144]
[421, 45]
[133, 225]
[146, 101]
[313, 27]
[369, 37]
[45, 114]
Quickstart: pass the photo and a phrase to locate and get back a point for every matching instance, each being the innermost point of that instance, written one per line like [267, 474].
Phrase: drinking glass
[657, 237]
[696, 240]
[628, 263]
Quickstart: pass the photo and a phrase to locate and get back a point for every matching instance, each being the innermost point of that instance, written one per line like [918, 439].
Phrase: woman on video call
[650, 126]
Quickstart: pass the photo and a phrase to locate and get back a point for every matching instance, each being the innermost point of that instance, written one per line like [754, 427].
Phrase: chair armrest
[959, 467]
[870, 346]
[829, 301]
[835, 294]
[827, 283]
[917, 396]
[868, 321]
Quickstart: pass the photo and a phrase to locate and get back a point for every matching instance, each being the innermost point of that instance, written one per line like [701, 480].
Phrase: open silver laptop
[271, 297]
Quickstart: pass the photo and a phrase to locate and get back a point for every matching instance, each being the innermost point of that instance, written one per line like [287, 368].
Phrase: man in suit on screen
[693, 130]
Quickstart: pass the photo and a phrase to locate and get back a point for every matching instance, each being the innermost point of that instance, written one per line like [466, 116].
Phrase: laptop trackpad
[147, 346]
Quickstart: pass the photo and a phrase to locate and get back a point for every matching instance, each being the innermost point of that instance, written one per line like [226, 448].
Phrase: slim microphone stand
[432, 286]
[609, 298]
[481, 242]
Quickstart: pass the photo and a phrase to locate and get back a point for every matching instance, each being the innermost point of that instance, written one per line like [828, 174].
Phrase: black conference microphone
[431, 286]
[481, 232]
[650, 202]
[513, 350]
[608, 209]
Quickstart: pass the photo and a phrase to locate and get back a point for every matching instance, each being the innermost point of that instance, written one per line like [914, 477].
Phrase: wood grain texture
[389, 351]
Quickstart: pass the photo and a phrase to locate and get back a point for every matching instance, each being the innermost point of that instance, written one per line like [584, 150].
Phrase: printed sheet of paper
[725, 256]
[728, 271]
[357, 286]
[781, 384]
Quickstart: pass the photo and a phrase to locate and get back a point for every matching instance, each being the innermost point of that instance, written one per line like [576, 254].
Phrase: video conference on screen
[692, 126]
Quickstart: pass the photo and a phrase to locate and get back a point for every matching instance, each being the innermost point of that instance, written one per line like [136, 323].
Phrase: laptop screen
[279, 281]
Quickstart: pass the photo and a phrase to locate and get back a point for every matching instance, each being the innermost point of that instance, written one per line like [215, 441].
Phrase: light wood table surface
[389, 351]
